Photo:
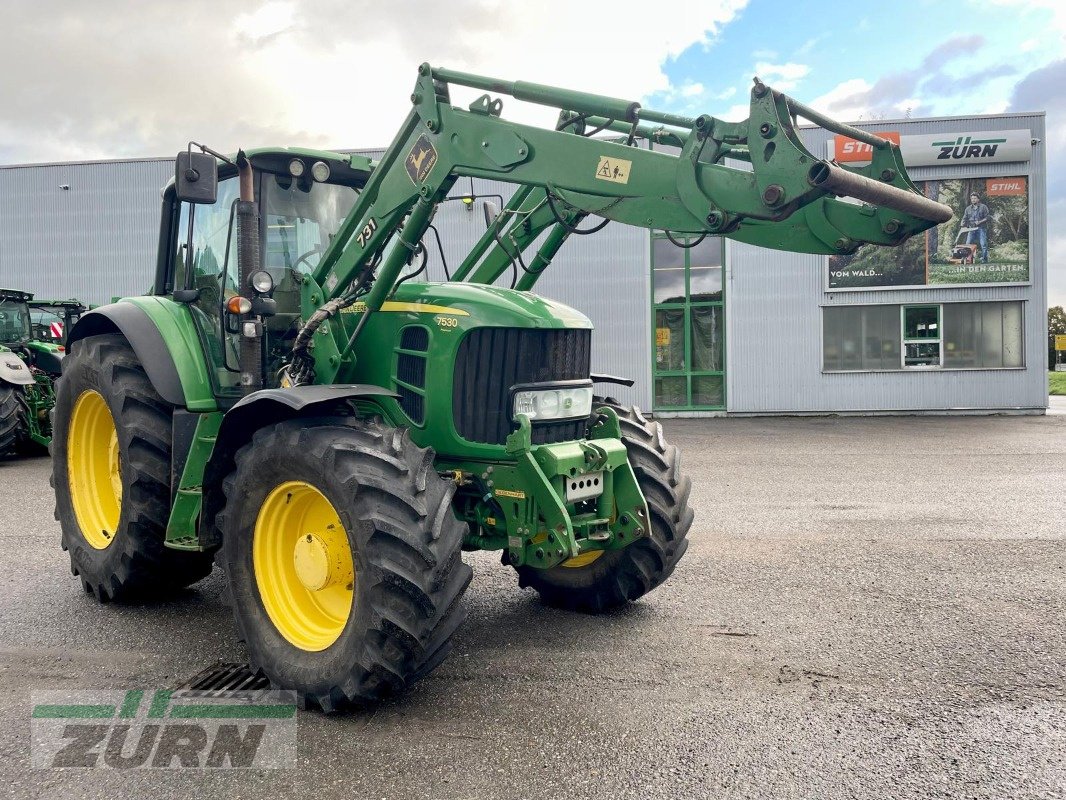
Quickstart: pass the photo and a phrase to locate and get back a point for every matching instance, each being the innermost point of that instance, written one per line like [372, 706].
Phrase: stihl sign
[1005, 187]
[941, 148]
[848, 149]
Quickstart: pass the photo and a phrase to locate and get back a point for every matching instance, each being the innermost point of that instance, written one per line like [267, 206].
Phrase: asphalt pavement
[870, 608]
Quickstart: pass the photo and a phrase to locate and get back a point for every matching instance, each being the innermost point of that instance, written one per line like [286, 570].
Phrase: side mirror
[491, 212]
[196, 177]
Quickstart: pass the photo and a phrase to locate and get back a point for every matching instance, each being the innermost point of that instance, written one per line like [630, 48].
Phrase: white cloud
[268, 20]
[692, 90]
[737, 113]
[783, 77]
[842, 101]
[332, 73]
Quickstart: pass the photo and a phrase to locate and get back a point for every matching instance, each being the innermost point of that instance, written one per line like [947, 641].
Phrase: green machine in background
[291, 400]
[29, 368]
[52, 320]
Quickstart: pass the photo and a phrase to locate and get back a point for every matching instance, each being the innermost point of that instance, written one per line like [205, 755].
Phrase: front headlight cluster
[550, 404]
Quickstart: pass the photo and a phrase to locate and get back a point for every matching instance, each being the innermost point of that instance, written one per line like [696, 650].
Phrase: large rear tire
[111, 474]
[10, 418]
[595, 582]
[343, 559]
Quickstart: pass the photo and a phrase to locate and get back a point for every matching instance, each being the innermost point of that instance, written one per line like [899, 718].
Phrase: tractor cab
[15, 324]
[52, 320]
[303, 197]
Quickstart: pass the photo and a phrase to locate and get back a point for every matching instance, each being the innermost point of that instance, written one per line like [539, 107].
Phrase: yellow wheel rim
[94, 469]
[582, 560]
[303, 566]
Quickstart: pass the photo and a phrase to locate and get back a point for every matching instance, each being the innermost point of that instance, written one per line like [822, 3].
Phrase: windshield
[14, 321]
[301, 220]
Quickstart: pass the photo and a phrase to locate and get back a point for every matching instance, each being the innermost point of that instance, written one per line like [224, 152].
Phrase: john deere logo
[421, 159]
[965, 147]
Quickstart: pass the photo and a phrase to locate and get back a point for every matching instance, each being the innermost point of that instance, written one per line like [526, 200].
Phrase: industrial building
[954, 321]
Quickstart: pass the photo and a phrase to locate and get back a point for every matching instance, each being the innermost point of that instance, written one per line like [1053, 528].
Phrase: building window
[689, 314]
[983, 336]
[921, 336]
[861, 338]
[928, 336]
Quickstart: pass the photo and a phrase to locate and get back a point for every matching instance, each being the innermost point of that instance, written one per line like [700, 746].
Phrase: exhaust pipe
[842, 182]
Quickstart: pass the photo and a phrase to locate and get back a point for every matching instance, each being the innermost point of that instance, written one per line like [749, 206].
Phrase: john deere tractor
[28, 369]
[295, 402]
[52, 320]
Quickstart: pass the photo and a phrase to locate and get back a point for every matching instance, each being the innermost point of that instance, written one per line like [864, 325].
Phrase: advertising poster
[987, 241]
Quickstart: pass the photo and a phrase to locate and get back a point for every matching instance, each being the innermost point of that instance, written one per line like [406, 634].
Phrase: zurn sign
[185, 729]
[940, 149]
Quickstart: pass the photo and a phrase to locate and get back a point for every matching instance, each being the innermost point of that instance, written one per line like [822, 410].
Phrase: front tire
[111, 474]
[595, 582]
[343, 559]
[10, 418]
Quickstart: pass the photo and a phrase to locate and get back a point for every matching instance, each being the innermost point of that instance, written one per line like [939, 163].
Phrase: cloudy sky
[122, 78]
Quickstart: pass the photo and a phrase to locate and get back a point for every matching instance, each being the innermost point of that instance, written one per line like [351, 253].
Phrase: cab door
[210, 268]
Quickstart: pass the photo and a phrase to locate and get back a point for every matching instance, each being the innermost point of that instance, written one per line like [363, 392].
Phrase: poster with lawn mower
[986, 242]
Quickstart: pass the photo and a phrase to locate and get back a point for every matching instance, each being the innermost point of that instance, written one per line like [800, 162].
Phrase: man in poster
[975, 217]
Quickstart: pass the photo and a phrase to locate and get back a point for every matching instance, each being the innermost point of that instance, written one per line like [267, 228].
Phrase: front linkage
[556, 502]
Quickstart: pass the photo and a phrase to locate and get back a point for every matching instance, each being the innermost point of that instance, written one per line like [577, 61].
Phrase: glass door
[689, 331]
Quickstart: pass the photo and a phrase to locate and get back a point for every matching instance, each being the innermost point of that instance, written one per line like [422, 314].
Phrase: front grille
[492, 360]
[411, 369]
[415, 337]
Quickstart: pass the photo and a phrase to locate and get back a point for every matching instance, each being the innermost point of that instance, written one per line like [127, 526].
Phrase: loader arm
[788, 199]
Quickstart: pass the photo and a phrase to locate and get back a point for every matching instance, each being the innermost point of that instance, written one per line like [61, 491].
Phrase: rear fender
[262, 409]
[163, 335]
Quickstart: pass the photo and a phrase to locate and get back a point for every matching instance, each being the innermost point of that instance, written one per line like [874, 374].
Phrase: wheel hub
[320, 563]
[303, 563]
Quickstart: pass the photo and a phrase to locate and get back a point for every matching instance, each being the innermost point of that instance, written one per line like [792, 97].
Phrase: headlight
[320, 171]
[549, 404]
[262, 281]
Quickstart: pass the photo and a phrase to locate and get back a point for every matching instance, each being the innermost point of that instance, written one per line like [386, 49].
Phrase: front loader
[293, 401]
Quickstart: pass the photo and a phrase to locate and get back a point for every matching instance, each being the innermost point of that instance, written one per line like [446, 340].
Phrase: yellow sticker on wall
[662, 337]
[615, 170]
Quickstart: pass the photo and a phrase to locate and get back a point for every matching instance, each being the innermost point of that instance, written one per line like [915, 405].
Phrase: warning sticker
[662, 337]
[615, 170]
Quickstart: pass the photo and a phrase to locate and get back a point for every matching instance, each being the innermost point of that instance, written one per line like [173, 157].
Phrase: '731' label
[365, 233]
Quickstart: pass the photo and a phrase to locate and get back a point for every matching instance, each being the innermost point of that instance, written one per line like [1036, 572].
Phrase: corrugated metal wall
[774, 312]
[92, 241]
[98, 239]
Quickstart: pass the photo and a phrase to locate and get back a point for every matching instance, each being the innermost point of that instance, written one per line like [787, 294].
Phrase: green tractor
[28, 370]
[293, 401]
[52, 320]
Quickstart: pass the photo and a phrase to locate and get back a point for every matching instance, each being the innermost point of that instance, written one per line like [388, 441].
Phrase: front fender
[259, 410]
[163, 335]
[14, 370]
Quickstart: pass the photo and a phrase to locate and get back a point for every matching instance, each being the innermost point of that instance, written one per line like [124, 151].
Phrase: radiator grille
[414, 337]
[411, 370]
[492, 360]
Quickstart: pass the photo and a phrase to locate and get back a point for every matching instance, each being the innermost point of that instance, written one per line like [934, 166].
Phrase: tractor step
[224, 677]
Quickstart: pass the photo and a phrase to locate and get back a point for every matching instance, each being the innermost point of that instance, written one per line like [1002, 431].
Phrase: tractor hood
[13, 369]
